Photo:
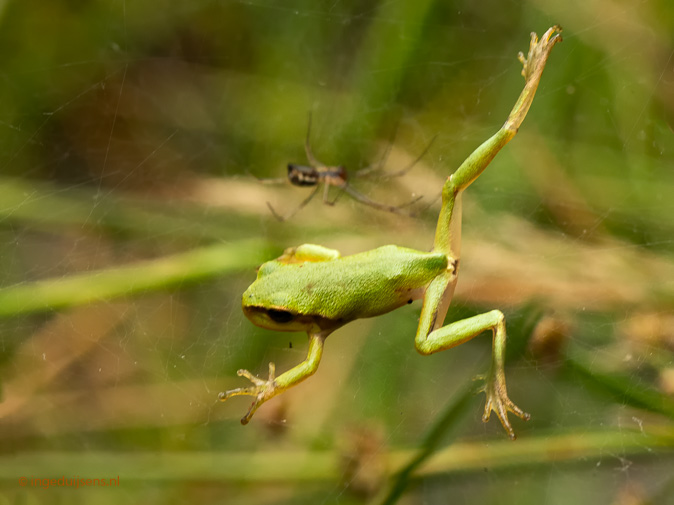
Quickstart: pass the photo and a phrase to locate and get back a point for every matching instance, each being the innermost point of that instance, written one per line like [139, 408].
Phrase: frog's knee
[424, 347]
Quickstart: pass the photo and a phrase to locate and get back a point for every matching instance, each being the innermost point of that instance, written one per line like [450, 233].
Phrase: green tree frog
[314, 289]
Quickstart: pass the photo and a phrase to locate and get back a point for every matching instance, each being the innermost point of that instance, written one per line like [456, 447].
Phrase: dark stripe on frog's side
[294, 322]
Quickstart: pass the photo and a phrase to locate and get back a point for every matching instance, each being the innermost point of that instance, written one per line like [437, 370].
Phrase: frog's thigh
[458, 332]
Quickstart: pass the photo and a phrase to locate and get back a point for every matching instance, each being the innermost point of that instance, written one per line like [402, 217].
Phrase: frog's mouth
[279, 319]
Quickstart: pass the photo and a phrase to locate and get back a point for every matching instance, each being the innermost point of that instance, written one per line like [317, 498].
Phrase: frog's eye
[280, 316]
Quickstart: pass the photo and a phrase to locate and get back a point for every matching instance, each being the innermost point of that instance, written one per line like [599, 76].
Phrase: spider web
[133, 132]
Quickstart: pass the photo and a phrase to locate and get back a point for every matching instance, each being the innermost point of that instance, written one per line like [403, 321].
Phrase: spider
[317, 174]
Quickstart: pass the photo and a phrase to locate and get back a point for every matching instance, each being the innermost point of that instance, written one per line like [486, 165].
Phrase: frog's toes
[498, 401]
[256, 380]
[261, 389]
[538, 52]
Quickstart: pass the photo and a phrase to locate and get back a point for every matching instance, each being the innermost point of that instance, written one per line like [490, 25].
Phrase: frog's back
[351, 287]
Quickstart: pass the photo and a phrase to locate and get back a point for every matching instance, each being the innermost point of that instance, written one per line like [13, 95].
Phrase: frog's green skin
[312, 288]
[321, 295]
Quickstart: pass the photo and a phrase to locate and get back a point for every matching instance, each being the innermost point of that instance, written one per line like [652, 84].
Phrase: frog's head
[283, 318]
[275, 318]
[277, 301]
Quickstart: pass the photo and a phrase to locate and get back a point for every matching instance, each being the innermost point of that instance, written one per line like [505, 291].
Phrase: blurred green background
[131, 220]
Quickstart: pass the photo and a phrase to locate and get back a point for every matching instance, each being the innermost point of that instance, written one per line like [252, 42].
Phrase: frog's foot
[262, 390]
[538, 53]
[498, 401]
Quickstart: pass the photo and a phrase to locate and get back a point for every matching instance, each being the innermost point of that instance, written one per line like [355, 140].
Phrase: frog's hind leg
[459, 332]
[474, 165]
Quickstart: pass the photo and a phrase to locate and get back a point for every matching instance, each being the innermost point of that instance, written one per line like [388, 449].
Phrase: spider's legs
[297, 209]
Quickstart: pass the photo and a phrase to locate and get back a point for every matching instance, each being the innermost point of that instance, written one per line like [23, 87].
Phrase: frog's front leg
[308, 252]
[264, 390]
[459, 332]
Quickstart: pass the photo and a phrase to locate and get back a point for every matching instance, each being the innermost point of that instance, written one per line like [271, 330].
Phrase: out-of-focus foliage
[131, 220]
